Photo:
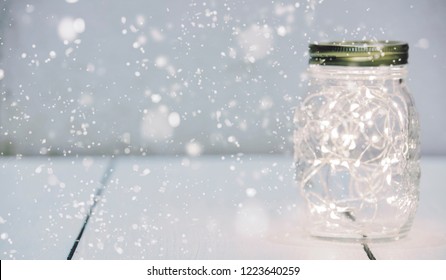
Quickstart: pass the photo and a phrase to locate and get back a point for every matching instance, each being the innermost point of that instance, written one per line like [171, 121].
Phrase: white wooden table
[215, 207]
[43, 204]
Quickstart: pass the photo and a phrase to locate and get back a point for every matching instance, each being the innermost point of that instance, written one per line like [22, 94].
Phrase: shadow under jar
[356, 142]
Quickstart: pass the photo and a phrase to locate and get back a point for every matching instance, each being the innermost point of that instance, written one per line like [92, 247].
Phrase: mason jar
[356, 141]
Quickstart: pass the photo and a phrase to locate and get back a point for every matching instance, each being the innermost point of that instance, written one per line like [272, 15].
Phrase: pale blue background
[230, 69]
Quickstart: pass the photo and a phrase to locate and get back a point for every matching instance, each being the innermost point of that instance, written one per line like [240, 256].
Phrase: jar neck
[358, 73]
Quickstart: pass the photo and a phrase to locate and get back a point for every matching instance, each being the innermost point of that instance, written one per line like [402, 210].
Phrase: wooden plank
[43, 204]
[205, 208]
[235, 208]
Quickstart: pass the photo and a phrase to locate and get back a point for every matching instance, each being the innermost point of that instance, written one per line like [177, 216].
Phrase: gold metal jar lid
[359, 53]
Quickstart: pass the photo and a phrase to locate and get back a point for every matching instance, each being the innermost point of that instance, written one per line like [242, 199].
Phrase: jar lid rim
[359, 53]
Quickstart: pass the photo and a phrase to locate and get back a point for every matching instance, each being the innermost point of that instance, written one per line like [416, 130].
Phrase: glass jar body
[357, 152]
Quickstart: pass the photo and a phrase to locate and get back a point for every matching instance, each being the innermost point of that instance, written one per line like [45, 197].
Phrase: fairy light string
[353, 150]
